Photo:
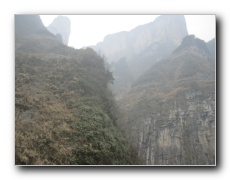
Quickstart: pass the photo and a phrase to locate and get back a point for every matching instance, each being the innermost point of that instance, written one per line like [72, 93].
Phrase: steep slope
[211, 46]
[64, 112]
[169, 113]
[28, 24]
[170, 28]
[61, 27]
[167, 34]
[144, 45]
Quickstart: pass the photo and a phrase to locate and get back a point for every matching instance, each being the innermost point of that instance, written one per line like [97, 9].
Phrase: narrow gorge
[141, 97]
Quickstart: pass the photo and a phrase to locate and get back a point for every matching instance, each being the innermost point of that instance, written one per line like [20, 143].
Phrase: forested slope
[64, 112]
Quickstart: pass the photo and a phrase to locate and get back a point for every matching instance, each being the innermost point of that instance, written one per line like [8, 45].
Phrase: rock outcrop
[167, 28]
[169, 113]
[143, 46]
[61, 25]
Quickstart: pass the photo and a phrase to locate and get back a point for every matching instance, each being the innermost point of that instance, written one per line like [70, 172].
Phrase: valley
[141, 97]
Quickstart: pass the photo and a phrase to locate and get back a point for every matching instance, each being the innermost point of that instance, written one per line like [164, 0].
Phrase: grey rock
[144, 45]
[167, 28]
[61, 25]
[169, 113]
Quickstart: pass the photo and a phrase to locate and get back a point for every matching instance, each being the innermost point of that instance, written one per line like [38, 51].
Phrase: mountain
[143, 46]
[28, 24]
[167, 28]
[61, 27]
[211, 46]
[65, 113]
[169, 112]
[167, 34]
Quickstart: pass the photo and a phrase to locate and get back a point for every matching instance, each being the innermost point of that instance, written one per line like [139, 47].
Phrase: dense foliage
[65, 114]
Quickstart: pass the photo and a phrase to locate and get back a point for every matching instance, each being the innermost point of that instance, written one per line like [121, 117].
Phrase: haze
[88, 30]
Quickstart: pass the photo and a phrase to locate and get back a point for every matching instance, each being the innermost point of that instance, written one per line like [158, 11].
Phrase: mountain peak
[171, 27]
[61, 25]
[168, 29]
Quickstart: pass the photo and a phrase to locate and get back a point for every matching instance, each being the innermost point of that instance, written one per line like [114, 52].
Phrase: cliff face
[177, 131]
[142, 47]
[61, 25]
[169, 113]
[170, 28]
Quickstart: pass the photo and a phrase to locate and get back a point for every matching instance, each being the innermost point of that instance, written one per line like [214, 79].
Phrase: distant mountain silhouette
[143, 46]
[61, 26]
[169, 29]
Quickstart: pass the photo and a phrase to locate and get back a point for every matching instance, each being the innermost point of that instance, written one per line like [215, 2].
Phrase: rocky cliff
[169, 113]
[170, 28]
[143, 46]
[61, 26]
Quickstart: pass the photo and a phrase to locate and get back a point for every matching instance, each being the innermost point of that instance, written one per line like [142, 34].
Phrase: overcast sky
[88, 30]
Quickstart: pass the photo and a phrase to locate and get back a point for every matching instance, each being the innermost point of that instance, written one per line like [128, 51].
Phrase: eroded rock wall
[177, 131]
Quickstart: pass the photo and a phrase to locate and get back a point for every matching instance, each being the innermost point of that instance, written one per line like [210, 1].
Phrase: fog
[88, 30]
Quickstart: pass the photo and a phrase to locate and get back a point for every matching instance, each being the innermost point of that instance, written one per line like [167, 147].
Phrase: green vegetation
[65, 113]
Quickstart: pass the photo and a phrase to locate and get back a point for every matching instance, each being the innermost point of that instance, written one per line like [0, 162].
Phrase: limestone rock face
[175, 132]
[61, 25]
[143, 46]
[169, 113]
[166, 28]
